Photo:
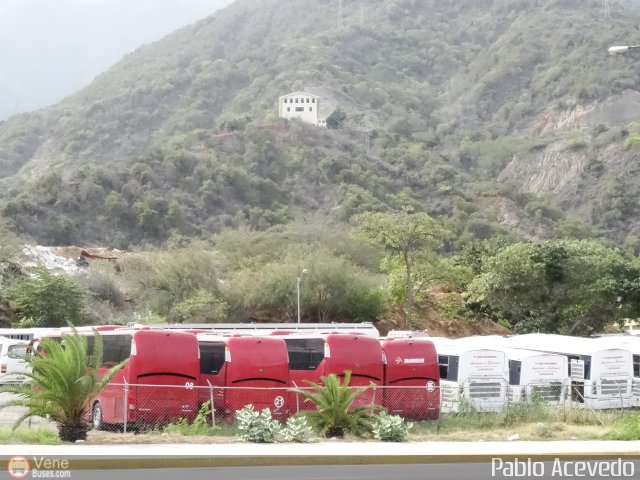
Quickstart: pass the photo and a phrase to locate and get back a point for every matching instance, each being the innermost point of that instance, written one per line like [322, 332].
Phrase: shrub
[48, 300]
[200, 426]
[202, 307]
[632, 142]
[257, 427]
[102, 287]
[391, 428]
[526, 411]
[297, 429]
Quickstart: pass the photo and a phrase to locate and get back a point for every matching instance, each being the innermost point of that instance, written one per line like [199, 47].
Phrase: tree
[164, 280]
[47, 300]
[336, 119]
[562, 286]
[334, 289]
[410, 241]
[335, 414]
[64, 381]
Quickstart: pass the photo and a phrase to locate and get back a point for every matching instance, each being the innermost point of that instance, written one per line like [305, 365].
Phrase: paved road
[464, 471]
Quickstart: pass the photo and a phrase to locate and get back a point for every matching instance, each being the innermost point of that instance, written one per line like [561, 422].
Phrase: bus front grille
[614, 387]
[486, 390]
[636, 387]
[550, 392]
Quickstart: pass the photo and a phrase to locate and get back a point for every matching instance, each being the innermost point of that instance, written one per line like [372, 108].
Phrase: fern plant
[64, 381]
[335, 414]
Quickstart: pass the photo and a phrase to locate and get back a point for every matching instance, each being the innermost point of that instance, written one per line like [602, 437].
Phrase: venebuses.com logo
[38, 467]
[18, 467]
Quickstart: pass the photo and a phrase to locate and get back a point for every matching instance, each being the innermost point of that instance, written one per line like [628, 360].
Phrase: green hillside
[495, 116]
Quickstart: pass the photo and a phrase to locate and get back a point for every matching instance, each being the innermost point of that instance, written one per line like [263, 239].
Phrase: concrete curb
[104, 457]
[103, 463]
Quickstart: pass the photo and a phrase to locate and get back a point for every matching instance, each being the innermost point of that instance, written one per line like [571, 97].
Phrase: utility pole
[367, 136]
[304, 270]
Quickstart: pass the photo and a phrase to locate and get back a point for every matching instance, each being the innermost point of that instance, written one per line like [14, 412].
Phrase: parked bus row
[171, 373]
[489, 372]
[416, 376]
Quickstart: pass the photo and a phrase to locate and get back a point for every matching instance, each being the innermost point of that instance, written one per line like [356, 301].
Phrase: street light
[304, 270]
[616, 49]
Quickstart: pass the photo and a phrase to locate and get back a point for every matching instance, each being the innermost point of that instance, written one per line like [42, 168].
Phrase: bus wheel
[96, 417]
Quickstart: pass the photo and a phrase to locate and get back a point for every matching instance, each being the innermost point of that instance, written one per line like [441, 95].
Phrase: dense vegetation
[169, 139]
[397, 265]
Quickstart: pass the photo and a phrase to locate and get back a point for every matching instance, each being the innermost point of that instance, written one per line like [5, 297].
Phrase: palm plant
[64, 381]
[335, 414]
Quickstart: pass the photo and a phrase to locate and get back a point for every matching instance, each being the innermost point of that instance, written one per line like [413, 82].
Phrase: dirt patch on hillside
[73, 252]
[438, 326]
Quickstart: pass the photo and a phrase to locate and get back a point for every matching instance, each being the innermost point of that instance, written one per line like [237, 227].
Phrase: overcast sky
[51, 48]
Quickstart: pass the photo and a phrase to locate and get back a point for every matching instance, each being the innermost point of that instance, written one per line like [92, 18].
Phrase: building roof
[299, 93]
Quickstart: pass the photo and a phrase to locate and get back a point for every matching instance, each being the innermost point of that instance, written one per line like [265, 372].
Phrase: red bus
[253, 370]
[160, 377]
[411, 378]
[315, 356]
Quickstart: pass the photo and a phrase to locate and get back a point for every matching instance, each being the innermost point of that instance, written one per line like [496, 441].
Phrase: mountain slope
[172, 137]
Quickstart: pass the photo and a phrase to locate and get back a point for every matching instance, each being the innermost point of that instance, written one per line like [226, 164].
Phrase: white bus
[537, 375]
[631, 343]
[12, 361]
[532, 374]
[26, 334]
[471, 373]
[601, 376]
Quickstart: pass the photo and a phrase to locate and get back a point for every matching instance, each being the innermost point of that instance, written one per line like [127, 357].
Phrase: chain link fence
[130, 407]
[151, 406]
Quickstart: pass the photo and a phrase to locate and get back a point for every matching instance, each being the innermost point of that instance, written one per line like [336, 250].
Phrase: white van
[12, 362]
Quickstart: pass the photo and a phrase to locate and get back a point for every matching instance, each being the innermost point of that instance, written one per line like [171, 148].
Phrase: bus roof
[261, 328]
[561, 344]
[453, 346]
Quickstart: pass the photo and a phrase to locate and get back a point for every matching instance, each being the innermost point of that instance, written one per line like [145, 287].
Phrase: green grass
[626, 428]
[42, 436]
[534, 418]
[187, 429]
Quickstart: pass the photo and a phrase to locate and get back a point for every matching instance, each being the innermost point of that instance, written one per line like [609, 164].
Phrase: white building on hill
[304, 106]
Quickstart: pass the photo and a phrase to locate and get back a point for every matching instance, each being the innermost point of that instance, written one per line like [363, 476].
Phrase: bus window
[443, 362]
[448, 367]
[305, 353]
[211, 358]
[515, 367]
[116, 348]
